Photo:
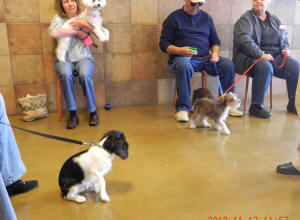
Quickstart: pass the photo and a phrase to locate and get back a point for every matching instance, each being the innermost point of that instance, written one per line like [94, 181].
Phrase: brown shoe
[94, 120]
[72, 123]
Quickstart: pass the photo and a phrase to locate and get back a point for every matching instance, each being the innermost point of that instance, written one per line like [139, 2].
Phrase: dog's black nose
[99, 5]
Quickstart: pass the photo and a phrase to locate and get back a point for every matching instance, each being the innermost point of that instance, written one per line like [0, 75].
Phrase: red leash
[275, 64]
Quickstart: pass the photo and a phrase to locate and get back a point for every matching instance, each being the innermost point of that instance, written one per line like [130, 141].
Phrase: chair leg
[204, 80]
[271, 103]
[59, 101]
[246, 94]
[174, 99]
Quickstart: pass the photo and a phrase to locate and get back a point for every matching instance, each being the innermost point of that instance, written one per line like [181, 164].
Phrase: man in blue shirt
[192, 27]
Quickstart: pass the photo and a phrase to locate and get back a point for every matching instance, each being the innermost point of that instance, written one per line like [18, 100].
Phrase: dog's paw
[104, 198]
[206, 125]
[192, 126]
[227, 132]
[78, 199]
[102, 38]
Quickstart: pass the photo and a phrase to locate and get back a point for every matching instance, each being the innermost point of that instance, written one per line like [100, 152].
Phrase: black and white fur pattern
[92, 15]
[217, 111]
[85, 171]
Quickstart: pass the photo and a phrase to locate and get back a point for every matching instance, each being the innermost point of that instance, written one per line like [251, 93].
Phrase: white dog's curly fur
[92, 15]
[85, 171]
[217, 111]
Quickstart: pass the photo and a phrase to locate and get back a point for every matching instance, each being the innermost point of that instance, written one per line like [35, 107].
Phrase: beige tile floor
[172, 172]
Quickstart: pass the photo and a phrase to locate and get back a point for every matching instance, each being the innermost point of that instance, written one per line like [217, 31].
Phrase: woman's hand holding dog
[81, 34]
[83, 26]
[80, 23]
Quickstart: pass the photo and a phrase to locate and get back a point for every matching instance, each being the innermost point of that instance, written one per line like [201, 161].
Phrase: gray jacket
[247, 37]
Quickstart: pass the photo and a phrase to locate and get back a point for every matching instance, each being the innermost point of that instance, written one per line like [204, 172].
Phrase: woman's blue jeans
[184, 70]
[11, 165]
[85, 69]
[263, 72]
[6, 210]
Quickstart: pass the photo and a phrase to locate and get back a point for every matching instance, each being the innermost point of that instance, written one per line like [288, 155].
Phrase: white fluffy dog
[92, 15]
[85, 171]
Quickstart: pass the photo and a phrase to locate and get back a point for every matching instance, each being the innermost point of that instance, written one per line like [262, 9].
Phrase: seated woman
[78, 59]
[259, 34]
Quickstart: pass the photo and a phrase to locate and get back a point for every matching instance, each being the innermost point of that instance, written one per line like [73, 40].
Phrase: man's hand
[267, 57]
[185, 51]
[214, 57]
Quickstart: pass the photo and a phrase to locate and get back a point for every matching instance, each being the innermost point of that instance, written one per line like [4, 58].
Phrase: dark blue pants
[263, 72]
[184, 69]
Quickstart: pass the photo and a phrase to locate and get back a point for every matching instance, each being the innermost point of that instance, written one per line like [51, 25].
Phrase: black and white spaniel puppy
[85, 171]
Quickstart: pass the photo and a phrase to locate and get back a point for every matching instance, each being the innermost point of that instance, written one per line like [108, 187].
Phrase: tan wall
[130, 68]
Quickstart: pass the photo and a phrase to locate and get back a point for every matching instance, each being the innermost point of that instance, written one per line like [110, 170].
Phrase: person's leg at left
[6, 210]
[11, 164]
[289, 72]
[85, 69]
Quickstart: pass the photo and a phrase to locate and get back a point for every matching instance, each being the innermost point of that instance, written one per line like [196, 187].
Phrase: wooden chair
[204, 85]
[246, 94]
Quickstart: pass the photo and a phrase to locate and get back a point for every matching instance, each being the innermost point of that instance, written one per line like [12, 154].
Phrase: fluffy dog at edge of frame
[217, 111]
[92, 15]
[85, 171]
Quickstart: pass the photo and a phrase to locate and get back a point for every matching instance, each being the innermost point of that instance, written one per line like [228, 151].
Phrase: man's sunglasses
[198, 4]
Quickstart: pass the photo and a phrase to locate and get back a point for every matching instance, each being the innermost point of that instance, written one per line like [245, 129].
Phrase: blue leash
[216, 70]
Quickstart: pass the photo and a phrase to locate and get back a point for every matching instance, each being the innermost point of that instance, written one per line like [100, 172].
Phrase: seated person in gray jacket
[259, 34]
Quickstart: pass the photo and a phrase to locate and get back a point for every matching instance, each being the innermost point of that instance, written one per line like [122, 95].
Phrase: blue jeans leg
[85, 69]
[225, 69]
[289, 72]
[6, 210]
[262, 74]
[184, 72]
[11, 165]
[65, 72]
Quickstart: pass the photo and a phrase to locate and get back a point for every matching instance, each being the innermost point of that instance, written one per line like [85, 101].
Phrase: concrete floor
[172, 172]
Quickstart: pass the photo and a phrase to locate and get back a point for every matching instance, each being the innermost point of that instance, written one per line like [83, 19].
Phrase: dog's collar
[92, 15]
[91, 144]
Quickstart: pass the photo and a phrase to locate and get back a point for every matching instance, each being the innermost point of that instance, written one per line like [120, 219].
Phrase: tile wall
[129, 69]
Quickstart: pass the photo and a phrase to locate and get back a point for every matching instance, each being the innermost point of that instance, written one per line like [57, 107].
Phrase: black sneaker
[291, 108]
[21, 186]
[259, 112]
